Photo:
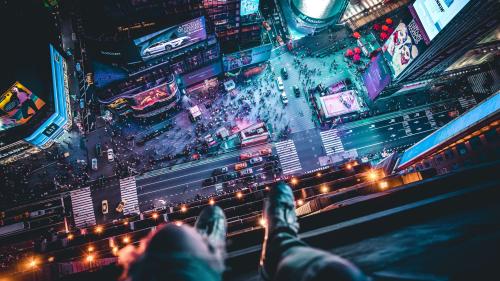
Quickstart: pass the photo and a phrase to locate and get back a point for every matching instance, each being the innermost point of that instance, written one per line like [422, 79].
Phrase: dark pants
[289, 258]
[176, 253]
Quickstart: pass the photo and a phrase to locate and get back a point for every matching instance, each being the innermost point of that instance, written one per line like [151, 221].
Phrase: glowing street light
[183, 208]
[372, 175]
[294, 181]
[90, 258]
[383, 185]
[318, 174]
[125, 222]
[126, 240]
[263, 222]
[211, 201]
[70, 236]
[32, 263]
[324, 188]
[178, 223]
[115, 250]
[98, 229]
[90, 249]
[239, 195]
[348, 166]
[300, 202]
[154, 216]
[50, 259]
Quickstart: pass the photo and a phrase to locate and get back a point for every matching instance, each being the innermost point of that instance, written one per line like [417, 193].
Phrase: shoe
[212, 225]
[279, 216]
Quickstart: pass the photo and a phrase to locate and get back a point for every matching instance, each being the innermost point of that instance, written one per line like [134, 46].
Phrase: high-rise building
[441, 34]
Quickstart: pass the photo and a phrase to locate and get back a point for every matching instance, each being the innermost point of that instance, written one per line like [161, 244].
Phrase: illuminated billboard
[434, 15]
[248, 7]
[155, 95]
[403, 46]
[247, 57]
[51, 128]
[17, 105]
[172, 38]
[377, 77]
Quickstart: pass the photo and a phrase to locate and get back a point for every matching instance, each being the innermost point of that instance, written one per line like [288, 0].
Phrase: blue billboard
[247, 57]
[249, 7]
[61, 118]
[482, 111]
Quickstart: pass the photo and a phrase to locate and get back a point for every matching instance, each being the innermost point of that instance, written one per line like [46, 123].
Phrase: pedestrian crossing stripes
[83, 210]
[287, 154]
[331, 142]
[128, 191]
[467, 102]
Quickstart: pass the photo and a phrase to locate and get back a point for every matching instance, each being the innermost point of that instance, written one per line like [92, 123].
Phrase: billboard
[61, 118]
[434, 15]
[403, 46]
[171, 39]
[152, 96]
[247, 57]
[248, 7]
[17, 105]
[377, 77]
[339, 104]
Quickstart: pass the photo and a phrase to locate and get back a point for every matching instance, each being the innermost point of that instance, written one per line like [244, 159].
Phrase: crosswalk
[467, 102]
[128, 191]
[331, 142]
[83, 210]
[289, 159]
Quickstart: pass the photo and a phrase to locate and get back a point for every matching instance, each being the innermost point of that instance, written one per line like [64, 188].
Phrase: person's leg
[180, 252]
[286, 257]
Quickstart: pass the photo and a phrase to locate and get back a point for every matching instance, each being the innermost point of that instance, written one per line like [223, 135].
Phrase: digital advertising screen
[17, 105]
[403, 46]
[248, 7]
[377, 77]
[150, 97]
[172, 38]
[434, 15]
[247, 57]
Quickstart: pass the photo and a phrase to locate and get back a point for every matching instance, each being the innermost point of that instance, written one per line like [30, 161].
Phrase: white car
[94, 164]
[256, 160]
[104, 206]
[163, 46]
[279, 81]
[284, 98]
[111, 155]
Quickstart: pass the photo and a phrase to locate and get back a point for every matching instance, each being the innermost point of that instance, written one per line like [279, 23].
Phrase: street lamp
[263, 222]
[239, 195]
[155, 216]
[211, 201]
[126, 240]
[183, 208]
[383, 185]
[300, 202]
[294, 181]
[98, 229]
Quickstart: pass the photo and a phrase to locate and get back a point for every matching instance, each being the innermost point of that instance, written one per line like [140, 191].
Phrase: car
[104, 207]
[279, 81]
[256, 160]
[163, 46]
[210, 140]
[209, 181]
[120, 206]
[230, 176]
[219, 171]
[98, 149]
[284, 98]
[265, 151]
[296, 91]
[240, 166]
[246, 172]
[94, 164]
[280, 40]
[246, 156]
[284, 73]
[266, 25]
[111, 155]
